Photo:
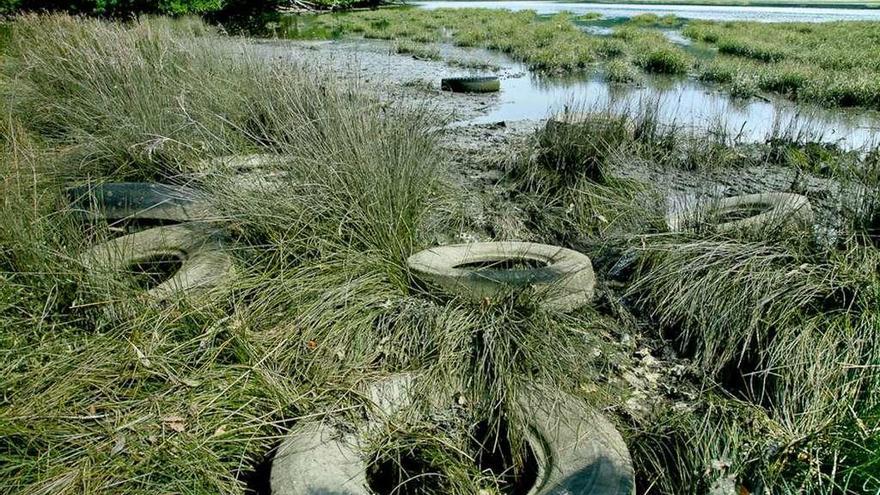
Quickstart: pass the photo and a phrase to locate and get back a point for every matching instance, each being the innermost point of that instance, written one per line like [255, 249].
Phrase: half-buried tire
[561, 278]
[194, 252]
[487, 84]
[576, 451]
[763, 212]
[139, 200]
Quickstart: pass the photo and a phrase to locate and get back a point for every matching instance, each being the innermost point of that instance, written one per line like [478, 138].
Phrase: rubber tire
[257, 172]
[242, 163]
[485, 84]
[318, 459]
[139, 200]
[580, 452]
[562, 120]
[577, 452]
[204, 262]
[782, 210]
[565, 284]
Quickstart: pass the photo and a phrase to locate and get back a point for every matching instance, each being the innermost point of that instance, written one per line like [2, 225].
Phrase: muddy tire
[572, 119]
[139, 200]
[577, 451]
[257, 172]
[752, 212]
[488, 84]
[565, 281]
[198, 249]
[319, 459]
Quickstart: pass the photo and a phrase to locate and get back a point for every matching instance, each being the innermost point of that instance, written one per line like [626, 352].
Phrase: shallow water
[685, 103]
[709, 12]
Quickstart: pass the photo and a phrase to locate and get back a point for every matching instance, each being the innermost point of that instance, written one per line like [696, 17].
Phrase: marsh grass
[417, 50]
[546, 43]
[108, 390]
[830, 63]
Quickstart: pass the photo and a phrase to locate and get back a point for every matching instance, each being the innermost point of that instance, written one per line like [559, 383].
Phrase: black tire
[486, 84]
[565, 282]
[198, 248]
[139, 200]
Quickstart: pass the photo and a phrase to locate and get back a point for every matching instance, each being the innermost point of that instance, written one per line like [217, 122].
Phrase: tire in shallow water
[762, 212]
[563, 279]
[196, 250]
[487, 84]
[139, 200]
[576, 451]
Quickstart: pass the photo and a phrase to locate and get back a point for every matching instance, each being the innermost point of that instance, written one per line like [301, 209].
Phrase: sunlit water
[710, 12]
[684, 103]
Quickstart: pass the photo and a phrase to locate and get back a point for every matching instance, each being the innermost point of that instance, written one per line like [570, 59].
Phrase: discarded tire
[572, 119]
[318, 459]
[756, 212]
[257, 172]
[562, 278]
[139, 200]
[488, 84]
[242, 163]
[575, 452]
[193, 250]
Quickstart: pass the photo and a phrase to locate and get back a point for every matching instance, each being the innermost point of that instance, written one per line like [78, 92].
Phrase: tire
[257, 172]
[242, 163]
[319, 459]
[572, 119]
[139, 200]
[566, 282]
[576, 452]
[197, 247]
[487, 84]
[754, 212]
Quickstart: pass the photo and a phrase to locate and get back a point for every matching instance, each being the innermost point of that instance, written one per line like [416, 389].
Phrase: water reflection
[684, 103]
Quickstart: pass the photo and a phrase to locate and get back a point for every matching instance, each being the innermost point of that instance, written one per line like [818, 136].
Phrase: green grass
[547, 43]
[417, 50]
[827, 63]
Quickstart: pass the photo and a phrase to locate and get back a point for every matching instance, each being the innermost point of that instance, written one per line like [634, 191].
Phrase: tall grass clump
[110, 390]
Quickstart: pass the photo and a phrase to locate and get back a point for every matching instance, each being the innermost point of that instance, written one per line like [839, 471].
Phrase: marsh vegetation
[759, 350]
[832, 64]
